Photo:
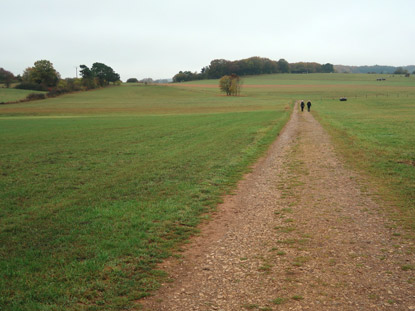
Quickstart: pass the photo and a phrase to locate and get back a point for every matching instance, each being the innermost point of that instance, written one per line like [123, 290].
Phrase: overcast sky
[158, 38]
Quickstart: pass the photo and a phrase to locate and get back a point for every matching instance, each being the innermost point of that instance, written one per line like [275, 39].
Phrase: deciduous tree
[6, 77]
[104, 74]
[44, 74]
[231, 85]
[327, 68]
[99, 74]
[283, 66]
[400, 71]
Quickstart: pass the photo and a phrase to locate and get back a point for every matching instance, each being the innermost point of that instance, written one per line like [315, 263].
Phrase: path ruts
[298, 234]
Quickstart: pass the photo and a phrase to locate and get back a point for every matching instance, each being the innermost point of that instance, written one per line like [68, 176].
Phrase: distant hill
[371, 69]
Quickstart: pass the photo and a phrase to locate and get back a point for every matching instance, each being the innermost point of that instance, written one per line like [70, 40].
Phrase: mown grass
[89, 203]
[13, 95]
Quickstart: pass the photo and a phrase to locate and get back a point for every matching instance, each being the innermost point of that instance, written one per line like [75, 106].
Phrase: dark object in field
[308, 105]
[380, 79]
[343, 99]
[302, 105]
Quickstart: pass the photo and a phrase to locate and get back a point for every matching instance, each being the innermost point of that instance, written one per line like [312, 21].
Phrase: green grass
[97, 187]
[142, 100]
[92, 200]
[297, 297]
[376, 135]
[306, 80]
[408, 267]
[330, 79]
[12, 95]
[279, 301]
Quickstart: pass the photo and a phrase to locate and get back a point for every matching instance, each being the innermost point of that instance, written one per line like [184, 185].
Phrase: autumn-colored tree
[44, 74]
[6, 77]
[26, 76]
[231, 85]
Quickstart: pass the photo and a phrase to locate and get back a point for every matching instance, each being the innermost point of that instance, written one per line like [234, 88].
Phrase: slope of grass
[320, 79]
[331, 79]
[12, 95]
[139, 100]
[90, 203]
[316, 87]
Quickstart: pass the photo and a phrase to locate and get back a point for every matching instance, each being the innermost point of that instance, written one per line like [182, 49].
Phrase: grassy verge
[89, 205]
[376, 136]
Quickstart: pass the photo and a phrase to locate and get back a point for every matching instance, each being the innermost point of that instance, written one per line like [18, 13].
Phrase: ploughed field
[98, 187]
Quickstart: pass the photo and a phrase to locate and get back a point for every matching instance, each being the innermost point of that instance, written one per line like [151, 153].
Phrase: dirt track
[299, 234]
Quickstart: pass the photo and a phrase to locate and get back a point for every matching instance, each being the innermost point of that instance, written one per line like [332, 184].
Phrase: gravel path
[298, 234]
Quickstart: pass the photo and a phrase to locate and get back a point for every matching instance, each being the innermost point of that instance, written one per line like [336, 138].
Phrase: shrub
[231, 85]
[56, 92]
[35, 96]
[29, 86]
[74, 84]
[89, 84]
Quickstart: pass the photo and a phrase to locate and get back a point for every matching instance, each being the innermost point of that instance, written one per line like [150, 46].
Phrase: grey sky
[159, 38]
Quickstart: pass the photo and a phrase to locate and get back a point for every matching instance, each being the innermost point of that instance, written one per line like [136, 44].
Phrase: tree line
[42, 76]
[376, 69]
[250, 66]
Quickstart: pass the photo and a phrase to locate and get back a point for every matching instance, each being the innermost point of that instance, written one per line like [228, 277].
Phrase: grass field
[319, 87]
[374, 129]
[141, 100]
[322, 79]
[377, 136]
[12, 95]
[97, 187]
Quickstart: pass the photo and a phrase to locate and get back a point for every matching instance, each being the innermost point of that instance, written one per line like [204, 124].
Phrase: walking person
[308, 105]
[302, 105]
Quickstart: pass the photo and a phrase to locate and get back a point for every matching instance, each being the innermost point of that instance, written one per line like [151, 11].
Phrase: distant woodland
[259, 65]
[250, 66]
[374, 69]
